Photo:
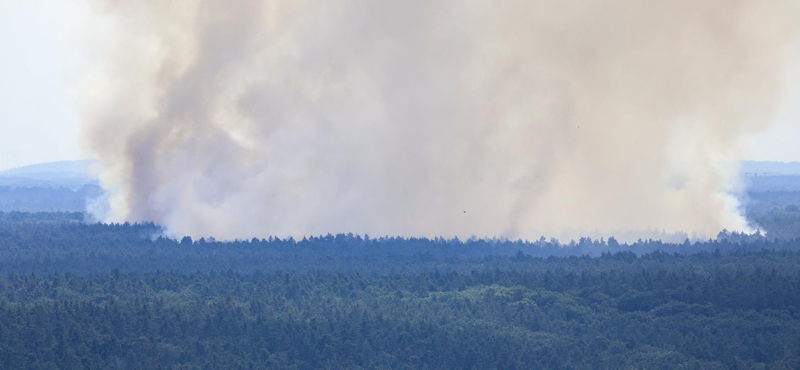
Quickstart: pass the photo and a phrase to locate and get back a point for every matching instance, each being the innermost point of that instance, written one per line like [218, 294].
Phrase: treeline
[771, 205]
[777, 213]
[59, 247]
[7, 218]
[787, 182]
[658, 311]
[47, 199]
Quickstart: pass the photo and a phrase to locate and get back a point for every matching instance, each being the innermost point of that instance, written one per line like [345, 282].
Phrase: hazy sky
[42, 43]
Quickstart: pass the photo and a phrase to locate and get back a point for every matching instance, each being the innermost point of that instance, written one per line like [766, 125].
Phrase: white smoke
[516, 118]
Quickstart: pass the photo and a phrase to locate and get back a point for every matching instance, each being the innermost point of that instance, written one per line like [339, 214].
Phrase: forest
[618, 129]
[82, 295]
[76, 294]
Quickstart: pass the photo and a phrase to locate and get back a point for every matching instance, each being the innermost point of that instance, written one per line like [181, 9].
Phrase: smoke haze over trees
[432, 118]
[408, 184]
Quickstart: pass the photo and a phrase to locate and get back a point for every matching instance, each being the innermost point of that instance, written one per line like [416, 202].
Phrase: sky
[44, 59]
[40, 69]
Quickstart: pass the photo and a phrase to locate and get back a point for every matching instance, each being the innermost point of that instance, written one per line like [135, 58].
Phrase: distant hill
[772, 176]
[77, 168]
[68, 174]
[771, 168]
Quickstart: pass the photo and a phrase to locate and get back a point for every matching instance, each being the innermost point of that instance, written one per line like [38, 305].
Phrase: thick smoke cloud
[518, 118]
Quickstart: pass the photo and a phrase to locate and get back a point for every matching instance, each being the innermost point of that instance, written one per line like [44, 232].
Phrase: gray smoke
[426, 118]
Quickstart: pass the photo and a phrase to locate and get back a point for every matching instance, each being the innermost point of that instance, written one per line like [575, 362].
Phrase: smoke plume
[517, 118]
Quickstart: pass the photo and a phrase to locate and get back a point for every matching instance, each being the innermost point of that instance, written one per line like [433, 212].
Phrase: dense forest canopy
[97, 296]
[79, 294]
[701, 311]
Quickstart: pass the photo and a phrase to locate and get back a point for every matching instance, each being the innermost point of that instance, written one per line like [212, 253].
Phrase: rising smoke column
[516, 118]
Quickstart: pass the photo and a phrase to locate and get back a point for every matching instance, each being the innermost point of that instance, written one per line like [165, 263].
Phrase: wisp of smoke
[426, 118]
